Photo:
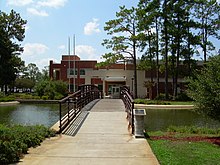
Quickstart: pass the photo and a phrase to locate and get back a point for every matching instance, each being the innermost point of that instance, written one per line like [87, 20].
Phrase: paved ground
[103, 139]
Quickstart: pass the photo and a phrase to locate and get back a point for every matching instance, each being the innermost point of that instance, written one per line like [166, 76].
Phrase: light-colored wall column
[103, 84]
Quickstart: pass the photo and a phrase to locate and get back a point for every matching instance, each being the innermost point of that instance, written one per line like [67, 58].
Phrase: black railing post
[68, 113]
[129, 105]
[73, 104]
[132, 115]
[60, 117]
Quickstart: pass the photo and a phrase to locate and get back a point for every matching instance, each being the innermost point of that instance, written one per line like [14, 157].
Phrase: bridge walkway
[103, 139]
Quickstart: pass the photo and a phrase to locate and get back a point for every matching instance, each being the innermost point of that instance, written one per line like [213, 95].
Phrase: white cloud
[92, 27]
[52, 3]
[37, 8]
[44, 62]
[34, 49]
[62, 47]
[37, 12]
[85, 51]
[19, 2]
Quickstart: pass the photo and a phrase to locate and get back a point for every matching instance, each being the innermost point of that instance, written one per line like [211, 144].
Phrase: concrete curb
[9, 103]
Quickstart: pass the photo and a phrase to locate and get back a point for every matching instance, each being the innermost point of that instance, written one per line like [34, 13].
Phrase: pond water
[30, 114]
[161, 119]
[156, 119]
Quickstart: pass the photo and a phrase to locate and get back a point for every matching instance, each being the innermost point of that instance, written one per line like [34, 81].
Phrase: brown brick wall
[96, 81]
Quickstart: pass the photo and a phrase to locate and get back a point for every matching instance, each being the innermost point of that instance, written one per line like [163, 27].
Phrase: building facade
[109, 79]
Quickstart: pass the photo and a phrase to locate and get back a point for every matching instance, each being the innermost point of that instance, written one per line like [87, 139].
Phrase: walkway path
[103, 139]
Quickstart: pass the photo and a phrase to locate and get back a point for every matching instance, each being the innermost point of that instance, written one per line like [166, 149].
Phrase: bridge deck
[102, 139]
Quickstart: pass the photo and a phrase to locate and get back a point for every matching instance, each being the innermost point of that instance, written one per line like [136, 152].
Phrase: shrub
[9, 152]
[7, 98]
[162, 96]
[140, 101]
[1, 94]
[45, 97]
[204, 88]
[26, 96]
[183, 97]
[16, 140]
[58, 96]
[51, 89]
[36, 97]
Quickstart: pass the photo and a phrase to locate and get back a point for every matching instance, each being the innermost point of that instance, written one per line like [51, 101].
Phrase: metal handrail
[72, 105]
[129, 105]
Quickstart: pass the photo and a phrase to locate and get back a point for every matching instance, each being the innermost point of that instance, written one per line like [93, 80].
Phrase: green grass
[194, 130]
[184, 152]
[178, 152]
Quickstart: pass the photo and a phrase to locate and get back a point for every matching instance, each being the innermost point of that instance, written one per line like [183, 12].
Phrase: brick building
[77, 72]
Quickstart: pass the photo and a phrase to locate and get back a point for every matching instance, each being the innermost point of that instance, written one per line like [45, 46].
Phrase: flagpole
[74, 64]
[69, 61]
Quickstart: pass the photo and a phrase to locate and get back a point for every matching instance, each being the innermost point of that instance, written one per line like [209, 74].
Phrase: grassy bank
[160, 102]
[186, 145]
[15, 140]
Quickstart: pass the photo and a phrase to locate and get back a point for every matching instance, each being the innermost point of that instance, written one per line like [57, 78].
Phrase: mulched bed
[214, 140]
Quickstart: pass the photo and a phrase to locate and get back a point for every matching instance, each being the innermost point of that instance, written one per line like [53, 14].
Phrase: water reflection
[161, 119]
[156, 119]
[29, 114]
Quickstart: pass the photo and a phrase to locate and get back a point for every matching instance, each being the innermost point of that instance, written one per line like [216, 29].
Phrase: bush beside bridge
[15, 140]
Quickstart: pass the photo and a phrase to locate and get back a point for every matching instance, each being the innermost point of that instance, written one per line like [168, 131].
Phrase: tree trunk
[205, 43]
[135, 77]
[166, 49]
[2, 88]
[173, 67]
[151, 61]
[204, 38]
[189, 51]
[157, 54]
[6, 89]
[135, 64]
[177, 60]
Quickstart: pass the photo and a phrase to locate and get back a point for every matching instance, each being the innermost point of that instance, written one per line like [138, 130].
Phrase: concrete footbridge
[94, 131]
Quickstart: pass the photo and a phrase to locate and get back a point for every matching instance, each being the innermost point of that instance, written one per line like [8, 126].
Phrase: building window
[71, 71]
[82, 72]
[72, 88]
[100, 87]
[56, 74]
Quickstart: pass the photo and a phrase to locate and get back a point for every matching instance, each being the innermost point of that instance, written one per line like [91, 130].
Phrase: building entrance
[115, 92]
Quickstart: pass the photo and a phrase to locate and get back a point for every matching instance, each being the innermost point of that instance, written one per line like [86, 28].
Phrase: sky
[51, 22]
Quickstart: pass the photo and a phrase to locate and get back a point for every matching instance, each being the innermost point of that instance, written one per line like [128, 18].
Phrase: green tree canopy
[207, 14]
[32, 72]
[24, 83]
[12, 29]
[51, 89]
[204, 88]
[125, 39]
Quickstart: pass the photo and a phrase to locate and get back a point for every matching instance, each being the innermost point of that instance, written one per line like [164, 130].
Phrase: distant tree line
[28, 77]
[168, 33]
